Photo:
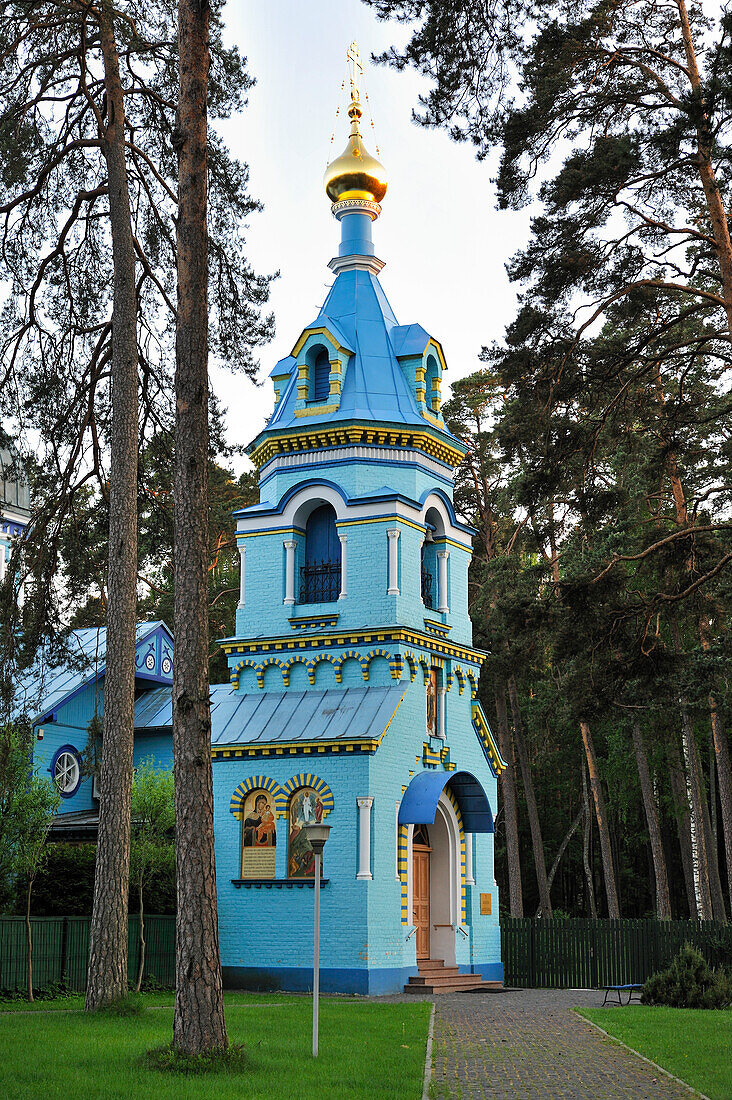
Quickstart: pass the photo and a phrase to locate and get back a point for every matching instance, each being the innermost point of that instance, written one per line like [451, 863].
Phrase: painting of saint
[432, 703]
[258, 837]
[306, 808]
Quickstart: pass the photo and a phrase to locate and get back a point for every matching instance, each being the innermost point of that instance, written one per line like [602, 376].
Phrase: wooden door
[421, 890]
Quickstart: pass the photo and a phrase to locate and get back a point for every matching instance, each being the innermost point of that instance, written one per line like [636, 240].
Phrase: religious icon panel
[306, 808]
[258, 836]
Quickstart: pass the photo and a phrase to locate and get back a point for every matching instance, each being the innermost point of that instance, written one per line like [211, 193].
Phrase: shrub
[689, 982]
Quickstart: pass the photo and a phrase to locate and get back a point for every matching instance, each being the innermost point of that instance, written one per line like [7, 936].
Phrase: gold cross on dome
[354, 59]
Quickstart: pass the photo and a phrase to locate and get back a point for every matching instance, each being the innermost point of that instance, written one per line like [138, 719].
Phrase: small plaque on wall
[485, 904]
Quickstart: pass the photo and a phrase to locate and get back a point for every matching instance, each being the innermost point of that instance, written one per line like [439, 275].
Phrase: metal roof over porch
[269, 717]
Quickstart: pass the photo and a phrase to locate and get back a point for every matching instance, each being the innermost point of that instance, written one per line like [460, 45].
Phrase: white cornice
[356, 263]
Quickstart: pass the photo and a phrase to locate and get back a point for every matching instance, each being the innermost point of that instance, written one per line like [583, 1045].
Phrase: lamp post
[316, 836]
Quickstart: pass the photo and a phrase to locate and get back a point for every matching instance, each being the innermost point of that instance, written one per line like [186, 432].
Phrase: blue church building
[353, 678]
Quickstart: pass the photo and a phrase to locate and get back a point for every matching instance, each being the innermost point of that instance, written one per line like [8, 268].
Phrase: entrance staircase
[435, 977]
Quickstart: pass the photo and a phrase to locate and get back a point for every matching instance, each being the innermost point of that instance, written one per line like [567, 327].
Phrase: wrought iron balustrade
[427, 583]
[320, 582]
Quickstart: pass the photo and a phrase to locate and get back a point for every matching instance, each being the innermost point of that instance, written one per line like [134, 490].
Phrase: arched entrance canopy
[419, 804]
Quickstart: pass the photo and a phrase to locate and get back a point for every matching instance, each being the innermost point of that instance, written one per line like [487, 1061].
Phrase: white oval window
[150, 661]
[67, 772]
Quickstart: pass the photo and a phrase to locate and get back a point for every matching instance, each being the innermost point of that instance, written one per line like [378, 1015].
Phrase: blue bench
[618, 990]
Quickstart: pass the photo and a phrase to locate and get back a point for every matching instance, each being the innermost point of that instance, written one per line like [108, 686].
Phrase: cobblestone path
[527, 1044]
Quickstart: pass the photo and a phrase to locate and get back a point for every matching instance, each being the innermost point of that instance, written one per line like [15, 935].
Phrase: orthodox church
[353, 679]
[14, 503]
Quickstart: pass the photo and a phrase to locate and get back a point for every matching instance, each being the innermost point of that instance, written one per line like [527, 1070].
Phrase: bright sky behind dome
[444, 244]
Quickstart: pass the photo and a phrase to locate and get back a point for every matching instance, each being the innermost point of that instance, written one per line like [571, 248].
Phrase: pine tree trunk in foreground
[608, 870]
[199, 1024]
[663, 899]
[510, 810]
[107, 974]
[531, 807]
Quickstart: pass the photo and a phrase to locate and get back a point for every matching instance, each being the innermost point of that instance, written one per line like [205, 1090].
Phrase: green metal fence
[61, 950]
[589, 954]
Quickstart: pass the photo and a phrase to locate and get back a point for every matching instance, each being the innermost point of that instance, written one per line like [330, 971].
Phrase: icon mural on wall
[258, 836]
[306, 808]
[432, 703]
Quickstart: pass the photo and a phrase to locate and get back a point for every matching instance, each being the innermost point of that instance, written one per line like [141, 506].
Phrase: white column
[364, 837]
[469, 880]
[2, 561]
[441, 694]
[344, 544]
[289, 545]
[396, 841]
[442, 556]
[393, 536]
[242, 571]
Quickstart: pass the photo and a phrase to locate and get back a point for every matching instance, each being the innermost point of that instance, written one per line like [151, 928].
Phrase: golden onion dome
[355, 174]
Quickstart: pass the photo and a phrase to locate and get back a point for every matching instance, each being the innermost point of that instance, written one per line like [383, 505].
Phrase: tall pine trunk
[107, 973]
[683, 820]
[663, 899]
[531, 807]
[608, 869]
[695, 795]
[510, 809]
[199, 1023]
[721, 755]
[586, 836]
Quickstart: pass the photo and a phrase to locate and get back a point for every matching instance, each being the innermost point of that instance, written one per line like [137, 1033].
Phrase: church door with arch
[421, 889]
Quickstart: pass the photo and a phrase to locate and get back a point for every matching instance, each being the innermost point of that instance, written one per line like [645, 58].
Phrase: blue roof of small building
[42, 690]
[357, 313]
[268, 717]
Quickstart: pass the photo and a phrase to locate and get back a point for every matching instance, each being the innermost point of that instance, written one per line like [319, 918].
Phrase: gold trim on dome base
[364, 206]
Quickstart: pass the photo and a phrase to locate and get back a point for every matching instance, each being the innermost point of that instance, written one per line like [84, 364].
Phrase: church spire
[355, 182]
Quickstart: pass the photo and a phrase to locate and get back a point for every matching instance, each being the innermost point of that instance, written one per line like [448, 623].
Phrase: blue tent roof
[268, 717]
[43, 689]
[357, 312]
[419, 803]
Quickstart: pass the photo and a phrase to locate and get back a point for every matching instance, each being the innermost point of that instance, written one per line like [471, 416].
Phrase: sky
[444, 244]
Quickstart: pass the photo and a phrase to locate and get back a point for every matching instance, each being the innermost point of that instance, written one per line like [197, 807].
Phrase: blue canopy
[419, 804]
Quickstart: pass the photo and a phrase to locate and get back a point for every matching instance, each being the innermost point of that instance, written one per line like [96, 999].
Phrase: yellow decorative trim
[272, 531]
[303, 440]
[399, 636]
[322, 331]
[484, 733]
[278, 748]
[318, 410]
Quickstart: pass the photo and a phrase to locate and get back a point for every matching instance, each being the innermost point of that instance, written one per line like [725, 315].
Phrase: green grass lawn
[693, 1044]
[366, 1050]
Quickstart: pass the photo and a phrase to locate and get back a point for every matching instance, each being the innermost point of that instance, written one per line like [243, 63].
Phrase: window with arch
[432, 374]
[306, 808]
[258, 835]
[66, 771]
[429, 570]
[320, 368]
[320, 576]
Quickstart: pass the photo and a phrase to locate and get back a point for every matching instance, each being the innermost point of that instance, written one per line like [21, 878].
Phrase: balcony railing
[427, 583]
[320, 582]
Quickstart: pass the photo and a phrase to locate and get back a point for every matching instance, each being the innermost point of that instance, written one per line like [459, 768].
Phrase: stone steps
[435, 977]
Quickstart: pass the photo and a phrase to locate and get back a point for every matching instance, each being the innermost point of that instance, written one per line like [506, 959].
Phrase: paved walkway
[526, 1044]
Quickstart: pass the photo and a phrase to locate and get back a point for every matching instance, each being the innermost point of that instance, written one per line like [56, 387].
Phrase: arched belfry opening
[320, 574]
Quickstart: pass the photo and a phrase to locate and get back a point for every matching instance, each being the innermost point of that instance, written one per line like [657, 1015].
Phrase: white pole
[316, 955]
[442, 557]
[393, 537]
[289, 545]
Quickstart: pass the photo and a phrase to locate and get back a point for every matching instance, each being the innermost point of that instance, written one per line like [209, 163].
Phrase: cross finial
[354, 59]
